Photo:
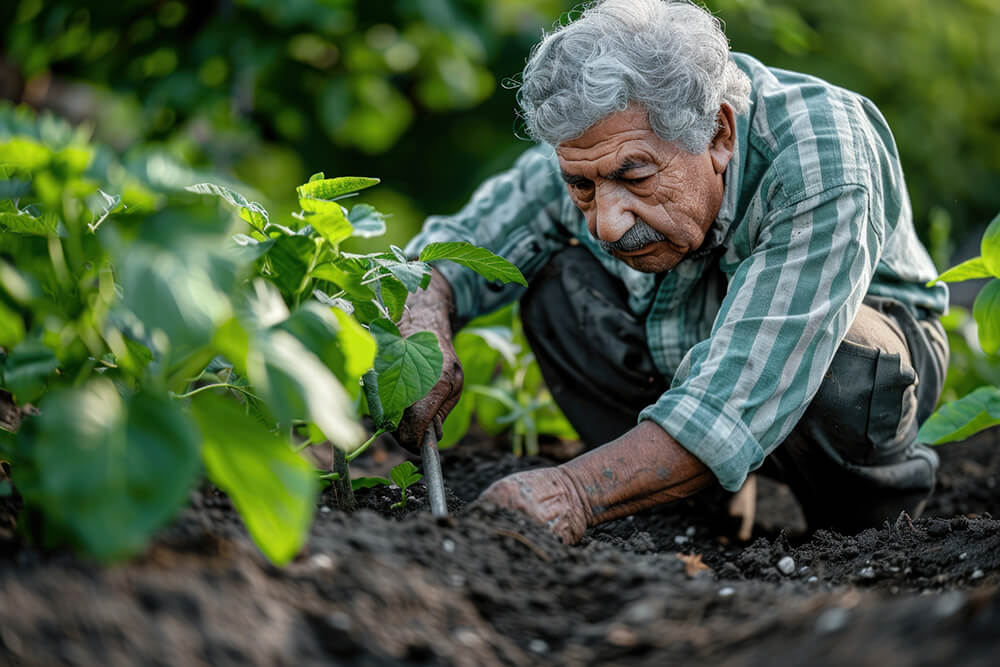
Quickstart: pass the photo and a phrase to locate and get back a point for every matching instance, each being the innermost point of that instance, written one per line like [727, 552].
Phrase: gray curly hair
[669, 56]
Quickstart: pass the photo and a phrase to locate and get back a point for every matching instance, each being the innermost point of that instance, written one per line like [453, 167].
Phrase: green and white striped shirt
[815, 215]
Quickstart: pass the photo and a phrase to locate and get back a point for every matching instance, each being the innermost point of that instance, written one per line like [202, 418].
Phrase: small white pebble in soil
[831, 620]
[977, 574]
[538, 645]
[812, 580]
[949, 603]
[963, 556]
[690, 531]
[786, 565]
[457, 580]
[322, 561]
[726, 592]
[467, 636]
[867, 573]
[448, 546]
[803, 569]
[324, 509]
[680, 539]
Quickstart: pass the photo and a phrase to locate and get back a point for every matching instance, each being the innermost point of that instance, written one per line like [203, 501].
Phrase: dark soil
[483, 587]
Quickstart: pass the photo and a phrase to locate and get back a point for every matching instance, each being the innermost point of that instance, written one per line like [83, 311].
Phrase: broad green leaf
[393, 294]
[358, 345]
[343, 345]
[991, 247]
[11, 327]
[331, 188]
[962, 418]
[368, 482]
[327, 218]
[107, 472]
[183, 294]
[986, 310]
[480, 260]
[246, 249]
[250, 211]
[405, 475]
[407, 367]
[366, 221]
[272, 487]
[411, 274]
[24, 153]
[347, 275]
[297, 385]
[26, 370]
[967, 270]
[46, 224]
[289, 262]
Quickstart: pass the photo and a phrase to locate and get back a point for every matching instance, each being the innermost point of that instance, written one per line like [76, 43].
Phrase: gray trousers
[852, 461]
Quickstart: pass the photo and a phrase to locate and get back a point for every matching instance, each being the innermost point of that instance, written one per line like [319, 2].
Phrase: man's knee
[867, 408]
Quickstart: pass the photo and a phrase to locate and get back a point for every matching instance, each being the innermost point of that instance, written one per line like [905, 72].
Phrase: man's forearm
[642, 468]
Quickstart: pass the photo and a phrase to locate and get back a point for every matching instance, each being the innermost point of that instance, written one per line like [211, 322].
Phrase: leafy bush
[141, 340]
[979, 409]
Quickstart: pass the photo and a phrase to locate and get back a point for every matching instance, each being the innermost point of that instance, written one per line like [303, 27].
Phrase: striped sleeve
[788, 306]
[515, 215]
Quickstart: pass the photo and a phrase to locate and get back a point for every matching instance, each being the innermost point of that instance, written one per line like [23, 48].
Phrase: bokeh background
[418, 92]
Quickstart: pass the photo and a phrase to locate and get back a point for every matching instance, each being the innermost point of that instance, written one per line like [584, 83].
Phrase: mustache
[638, 236]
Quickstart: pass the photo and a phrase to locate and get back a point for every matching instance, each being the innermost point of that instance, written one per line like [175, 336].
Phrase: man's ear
[720, 149]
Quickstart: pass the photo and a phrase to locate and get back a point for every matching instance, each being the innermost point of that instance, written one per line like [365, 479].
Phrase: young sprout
[404, 475]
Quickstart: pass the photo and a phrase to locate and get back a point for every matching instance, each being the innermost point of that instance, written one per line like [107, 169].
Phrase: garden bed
[483, 587]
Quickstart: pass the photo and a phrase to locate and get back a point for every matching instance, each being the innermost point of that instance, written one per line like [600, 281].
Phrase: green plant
[404, 476]
[504, 389]
[144, 337]
[979, 409]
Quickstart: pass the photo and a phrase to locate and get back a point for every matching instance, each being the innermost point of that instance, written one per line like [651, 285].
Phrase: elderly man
[723, 272]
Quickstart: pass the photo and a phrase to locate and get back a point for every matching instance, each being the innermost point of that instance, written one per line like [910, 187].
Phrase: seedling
[404, 476]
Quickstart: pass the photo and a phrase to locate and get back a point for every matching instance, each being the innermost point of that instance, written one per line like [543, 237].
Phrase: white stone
[786, 565]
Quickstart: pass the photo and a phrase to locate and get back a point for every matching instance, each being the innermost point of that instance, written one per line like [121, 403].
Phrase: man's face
[620, 174]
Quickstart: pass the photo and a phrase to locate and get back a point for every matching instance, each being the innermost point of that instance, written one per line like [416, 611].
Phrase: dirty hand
[547, 496]
[430, 310]
[642, 468]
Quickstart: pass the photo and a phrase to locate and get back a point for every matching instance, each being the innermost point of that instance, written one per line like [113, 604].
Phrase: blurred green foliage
[271, 91]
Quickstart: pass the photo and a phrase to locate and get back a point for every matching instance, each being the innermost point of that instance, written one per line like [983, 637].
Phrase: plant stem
[219, 385]
[342, 485]
[361, 450]
[369, 381]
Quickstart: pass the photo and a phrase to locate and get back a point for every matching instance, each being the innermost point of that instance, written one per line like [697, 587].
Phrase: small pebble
[977, 574]
[448, 546]
[726, 592]
[963, 556]
[786, 565]
[324, 509]
[867, 573]
[322, 561]
[831, 620]
[538, 645]
[690, 531]
[680, 539]
[812, 580]
[803, 569]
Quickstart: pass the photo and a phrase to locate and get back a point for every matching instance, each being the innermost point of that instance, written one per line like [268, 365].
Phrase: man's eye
[636, 181]
[582, 186]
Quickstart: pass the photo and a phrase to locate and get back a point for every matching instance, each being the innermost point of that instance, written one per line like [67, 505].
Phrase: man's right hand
[430, 310]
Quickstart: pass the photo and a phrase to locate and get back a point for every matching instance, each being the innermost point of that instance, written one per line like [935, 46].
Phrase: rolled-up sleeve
[516, 215]
[740, 392]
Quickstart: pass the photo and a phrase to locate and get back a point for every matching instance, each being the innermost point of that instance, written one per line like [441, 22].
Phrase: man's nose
[613, 217]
